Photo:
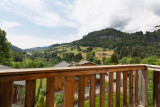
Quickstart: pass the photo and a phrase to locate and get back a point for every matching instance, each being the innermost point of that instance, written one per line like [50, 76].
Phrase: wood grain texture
[102, 90]
[81, 93]
[130, 88]
[125, 89]
[110, 93]
[118, 88]
[136, 89]
[155, 89]
[92, 90]
[30, 93]
[6, 94]
[69, 92]
[143, 87]
[23, 74]
[66, 69]
[50, 92]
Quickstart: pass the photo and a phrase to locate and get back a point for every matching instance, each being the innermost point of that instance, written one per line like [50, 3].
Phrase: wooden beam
[50, 92]
[131, 89]
[155, 89]
[69, 91]
[118, 88]
[110, 93]
[92, 90]
[125, 89]
[136, 89]
[30, 93]
[81, 93]
[102, 90]
[29, 74]
[6, 94]
[143, 87]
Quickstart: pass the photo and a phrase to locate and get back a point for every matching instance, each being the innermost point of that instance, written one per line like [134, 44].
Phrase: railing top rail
[14, 72]
[153, 67]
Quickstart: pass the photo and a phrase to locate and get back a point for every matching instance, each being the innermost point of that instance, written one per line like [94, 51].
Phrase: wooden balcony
[136, 74]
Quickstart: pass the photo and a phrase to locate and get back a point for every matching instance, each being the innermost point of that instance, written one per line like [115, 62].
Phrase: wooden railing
[137, 75]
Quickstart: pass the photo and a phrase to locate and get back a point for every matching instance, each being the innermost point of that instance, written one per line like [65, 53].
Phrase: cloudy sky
[32, 23]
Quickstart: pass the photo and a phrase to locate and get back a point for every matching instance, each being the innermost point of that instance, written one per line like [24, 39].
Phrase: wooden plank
[50, 92]
[30, 93]
[110, 93]
[66, 69]
[136, 89]
[102, 90]
[118, 88]
[143, 87]
[81, 94]
[51, 74]
[69, 91]
[6, 94]
[125, 89]
[159, 88]
[92, 90]
[131, 89]
[155, 89]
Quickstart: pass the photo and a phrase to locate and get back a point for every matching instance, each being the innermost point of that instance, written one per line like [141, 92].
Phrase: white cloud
[8, 24]
[35, 11]
[128, 16]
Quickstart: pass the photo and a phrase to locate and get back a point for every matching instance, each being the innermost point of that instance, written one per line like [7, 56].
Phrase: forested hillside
[125, 44]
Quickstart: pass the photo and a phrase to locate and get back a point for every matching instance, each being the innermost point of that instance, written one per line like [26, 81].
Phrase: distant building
[62, 64]
[59, 81]
[18, 86]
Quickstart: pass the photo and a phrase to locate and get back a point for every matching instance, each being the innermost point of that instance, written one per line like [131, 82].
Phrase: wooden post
[110, 93]
[69, 91]
[102, 90]
[92, 90]
[155, 89]
[81, 91]
[131, 89]
[30, 93]
[143, 87]
[118, 88]
[136, 90]
[50, 92]
[6, 94]
[125, 73]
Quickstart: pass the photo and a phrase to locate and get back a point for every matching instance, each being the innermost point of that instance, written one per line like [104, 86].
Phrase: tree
[90, 57]
[107, 61]
[5, 49]
[78, 57]
[114, 59]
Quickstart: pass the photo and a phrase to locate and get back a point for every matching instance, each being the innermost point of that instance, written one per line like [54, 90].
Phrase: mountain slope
[132, 45]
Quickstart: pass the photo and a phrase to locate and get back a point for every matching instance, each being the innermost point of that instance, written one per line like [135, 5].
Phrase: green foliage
[90, 56]
[89, 49]
[41, 102]
[107, 61]
[96, 61]
[59, 99]
[150, 60]
[5, 49]
[114, 59]
[78, 57]
[134, 60]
